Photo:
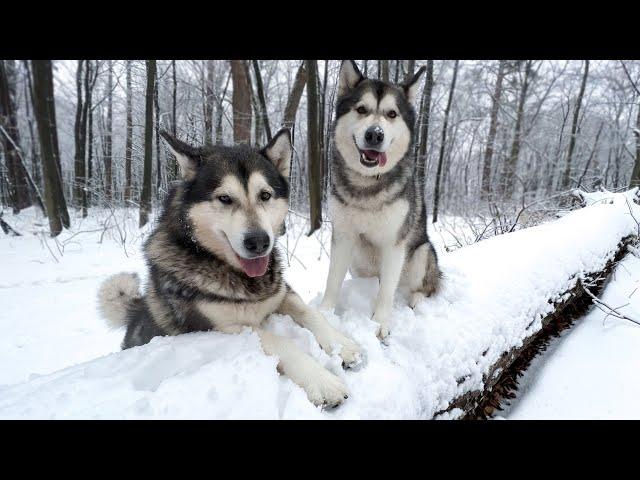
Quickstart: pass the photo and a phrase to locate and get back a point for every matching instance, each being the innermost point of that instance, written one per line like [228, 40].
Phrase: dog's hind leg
[322, 386]
[327, 336]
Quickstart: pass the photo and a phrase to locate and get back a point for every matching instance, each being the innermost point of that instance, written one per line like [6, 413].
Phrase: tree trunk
[566, 178]
[511, 164]
[44, 110]
[313, 145]
[635, 175]
[493, 129]
[220, 110]
[365, 67]
[18, 184]
[384, 70]
[145, 197]
[289, 118]
[80, 129]
[411, 67]
[593, 153]
[208, 104]
[156, 104]
[28, 101]
[436, 193]
[423, 124]
[108, 140]
[261, 98]
[241, 103]
[129, 137]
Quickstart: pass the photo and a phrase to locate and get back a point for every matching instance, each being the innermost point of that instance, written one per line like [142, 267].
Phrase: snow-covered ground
[58, 360]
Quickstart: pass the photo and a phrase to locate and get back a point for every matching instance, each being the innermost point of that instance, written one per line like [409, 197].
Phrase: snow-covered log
[453, 356]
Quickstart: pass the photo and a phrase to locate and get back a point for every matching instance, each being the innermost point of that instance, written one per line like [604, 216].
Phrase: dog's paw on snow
[324, 389]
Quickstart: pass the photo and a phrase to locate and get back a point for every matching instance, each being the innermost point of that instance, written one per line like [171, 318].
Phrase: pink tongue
[381, 157]
[255, 267]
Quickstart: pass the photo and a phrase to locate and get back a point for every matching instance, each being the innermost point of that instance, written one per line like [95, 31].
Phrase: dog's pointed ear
[410, 87]
[188, 157]
[280, 151]
[349, 77]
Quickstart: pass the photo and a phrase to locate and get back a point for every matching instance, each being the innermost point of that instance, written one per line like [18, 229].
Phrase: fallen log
[501, 382]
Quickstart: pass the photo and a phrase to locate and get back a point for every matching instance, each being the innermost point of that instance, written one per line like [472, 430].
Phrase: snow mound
[495, 294]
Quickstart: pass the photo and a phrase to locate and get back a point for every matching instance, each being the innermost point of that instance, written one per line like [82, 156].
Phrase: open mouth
[254, 267]
[372, 158]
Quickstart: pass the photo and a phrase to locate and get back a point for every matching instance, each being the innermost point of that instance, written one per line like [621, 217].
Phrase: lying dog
[376, 201]
[213, 263]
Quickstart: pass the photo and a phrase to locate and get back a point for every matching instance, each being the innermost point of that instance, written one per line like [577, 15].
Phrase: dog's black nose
[257, 242]
[374, 136]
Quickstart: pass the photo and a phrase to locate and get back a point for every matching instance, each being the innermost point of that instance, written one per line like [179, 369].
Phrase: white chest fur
[380, 225]
[232, 317]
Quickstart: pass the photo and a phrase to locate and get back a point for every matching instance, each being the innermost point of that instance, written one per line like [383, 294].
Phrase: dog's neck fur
[184, 264]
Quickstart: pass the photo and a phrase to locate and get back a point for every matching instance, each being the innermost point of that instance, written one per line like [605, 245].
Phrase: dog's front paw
[323, 388]
[383, 332]
[416, 297]
[349, 351]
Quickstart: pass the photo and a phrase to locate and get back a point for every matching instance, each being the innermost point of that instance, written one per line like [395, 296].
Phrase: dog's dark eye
[264, 196]
[392, 114]
[226, 199]
[361, 110]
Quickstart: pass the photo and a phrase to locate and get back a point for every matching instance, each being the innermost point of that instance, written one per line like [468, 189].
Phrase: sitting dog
[213, 262]
[376, 201]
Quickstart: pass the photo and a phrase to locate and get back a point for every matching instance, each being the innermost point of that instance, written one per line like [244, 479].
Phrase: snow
[591, 371]
[58, 360]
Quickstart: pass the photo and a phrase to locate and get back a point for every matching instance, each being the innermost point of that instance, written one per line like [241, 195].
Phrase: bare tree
[208, 103]
[128, 150]
[145, 197]
[511, 164]
[44, 109]
[313, 145]
[493, 129]
[436, 194]
[423, 123]
[384, 70]
[108, 138]
[293, 100]
[10, 139]
[566, 178]
[263, 104]
[241, 102]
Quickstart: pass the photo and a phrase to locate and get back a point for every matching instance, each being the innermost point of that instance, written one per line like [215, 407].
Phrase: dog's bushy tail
[115, 296]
